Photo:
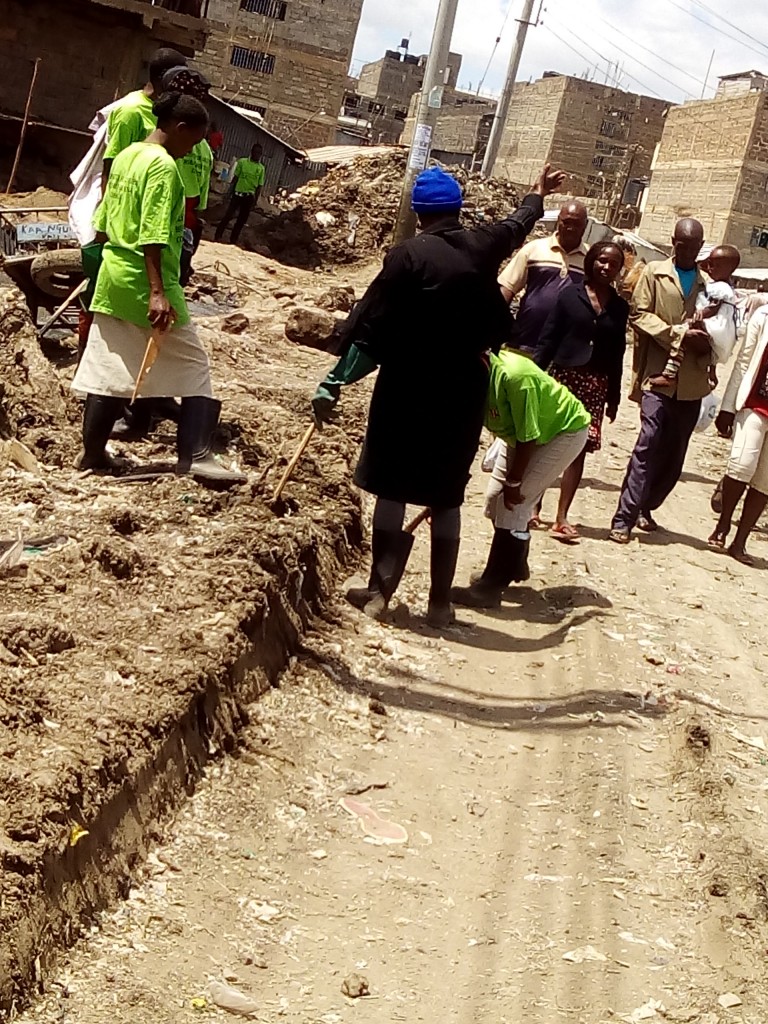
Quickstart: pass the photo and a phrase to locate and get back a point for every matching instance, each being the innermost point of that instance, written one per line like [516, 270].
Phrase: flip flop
[535, 523]
[716, 542]
[565, 533]
[619, 536]
[378, 828]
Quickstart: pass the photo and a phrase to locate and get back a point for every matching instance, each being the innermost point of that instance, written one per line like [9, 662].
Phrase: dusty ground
[582, 777]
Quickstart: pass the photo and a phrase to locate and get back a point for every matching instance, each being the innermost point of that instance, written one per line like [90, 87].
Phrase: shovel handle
[416, 522]
[294, 461]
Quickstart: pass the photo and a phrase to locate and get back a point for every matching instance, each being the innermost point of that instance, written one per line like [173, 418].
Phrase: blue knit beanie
[436, 192]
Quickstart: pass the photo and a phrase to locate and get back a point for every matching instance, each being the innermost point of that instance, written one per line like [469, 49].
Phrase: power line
[730, 24]
[697, 17]
[495, 46]
[675, 85]
[601, 56]
[654, 53]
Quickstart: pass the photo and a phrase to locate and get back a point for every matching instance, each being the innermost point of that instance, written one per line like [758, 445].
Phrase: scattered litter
[653, 1008]
[374, 826]
[77, 834]
[355, 986]
[629, 937]
[318, 854]
[641, 805]
[751, 741]
[584, 954]
[728, 1000]
[232, 1000]
[618, 637]
[263, 911]
[547, 878]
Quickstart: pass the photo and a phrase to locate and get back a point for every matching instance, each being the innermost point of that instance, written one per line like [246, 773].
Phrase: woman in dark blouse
[582, 345]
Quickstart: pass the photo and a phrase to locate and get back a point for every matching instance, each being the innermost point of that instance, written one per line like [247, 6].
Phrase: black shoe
[647, 523]
[135, 422]
[479, 595]
[197, 422]
[99, 418]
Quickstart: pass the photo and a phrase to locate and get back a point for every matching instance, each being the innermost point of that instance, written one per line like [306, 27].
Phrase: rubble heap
[349, 215]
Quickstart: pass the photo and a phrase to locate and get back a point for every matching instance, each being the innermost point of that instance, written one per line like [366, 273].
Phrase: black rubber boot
[374, 599]
[99, 418]
[197, 422]
[135, 423]
[507, 563]
[444, 554]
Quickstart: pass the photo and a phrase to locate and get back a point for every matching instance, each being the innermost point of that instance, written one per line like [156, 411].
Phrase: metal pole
[500, 119]
[706, 77]
[430, 101]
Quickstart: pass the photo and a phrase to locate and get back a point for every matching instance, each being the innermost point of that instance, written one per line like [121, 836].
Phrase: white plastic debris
[584, 954]
[231, 999]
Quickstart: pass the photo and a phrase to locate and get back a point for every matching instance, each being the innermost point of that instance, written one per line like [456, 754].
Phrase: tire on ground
[57, 272]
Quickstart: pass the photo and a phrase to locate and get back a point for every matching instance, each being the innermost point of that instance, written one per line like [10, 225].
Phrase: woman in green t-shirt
[543, 428]
[138, 296]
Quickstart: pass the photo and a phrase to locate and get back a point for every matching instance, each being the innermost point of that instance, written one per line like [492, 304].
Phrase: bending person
[427, 321]
[583, 345]
[745, 411]
[138, 295]
[545, 428]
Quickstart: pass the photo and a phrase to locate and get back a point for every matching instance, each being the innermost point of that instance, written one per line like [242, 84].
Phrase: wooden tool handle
[294, 461]
[416, 522]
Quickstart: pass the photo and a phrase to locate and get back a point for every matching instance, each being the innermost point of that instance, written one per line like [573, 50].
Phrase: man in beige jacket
[663, 303]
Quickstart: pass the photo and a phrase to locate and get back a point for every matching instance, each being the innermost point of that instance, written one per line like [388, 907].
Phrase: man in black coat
[427, 321]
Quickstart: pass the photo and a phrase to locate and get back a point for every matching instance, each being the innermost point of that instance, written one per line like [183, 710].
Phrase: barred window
[269, 8]
[252, 60]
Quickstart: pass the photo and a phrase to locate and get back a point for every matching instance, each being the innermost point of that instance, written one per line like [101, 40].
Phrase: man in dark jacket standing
[427, 321]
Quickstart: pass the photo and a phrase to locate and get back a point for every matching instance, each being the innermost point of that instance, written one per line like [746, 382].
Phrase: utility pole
[430, 101]
[499, 121]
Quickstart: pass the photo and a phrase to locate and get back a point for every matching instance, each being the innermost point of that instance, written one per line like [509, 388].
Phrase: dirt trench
[143, 619]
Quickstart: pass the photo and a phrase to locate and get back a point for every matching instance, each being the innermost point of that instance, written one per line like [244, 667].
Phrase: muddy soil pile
[349, 215]
[142, 617]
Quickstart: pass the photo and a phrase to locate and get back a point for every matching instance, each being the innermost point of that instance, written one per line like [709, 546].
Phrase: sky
[664, 54]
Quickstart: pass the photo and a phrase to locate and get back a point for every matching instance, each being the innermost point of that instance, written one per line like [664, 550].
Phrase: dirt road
[582, 776]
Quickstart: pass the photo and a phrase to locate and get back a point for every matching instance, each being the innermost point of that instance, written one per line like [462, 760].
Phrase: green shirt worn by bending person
[195, 170]
[143, 205]
[525, 404]
[250, 176]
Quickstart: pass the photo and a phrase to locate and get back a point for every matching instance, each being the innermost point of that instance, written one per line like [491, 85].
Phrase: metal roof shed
[241, 133]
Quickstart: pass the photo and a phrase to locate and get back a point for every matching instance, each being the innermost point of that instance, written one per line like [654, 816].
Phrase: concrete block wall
[528, 134]
[312, 49]
[699, 168]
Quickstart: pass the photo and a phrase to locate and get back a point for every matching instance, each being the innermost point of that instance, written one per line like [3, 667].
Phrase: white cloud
[663, 35]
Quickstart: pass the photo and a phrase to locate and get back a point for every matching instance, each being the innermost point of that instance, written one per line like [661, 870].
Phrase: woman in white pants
[745, 410]
[544, 428]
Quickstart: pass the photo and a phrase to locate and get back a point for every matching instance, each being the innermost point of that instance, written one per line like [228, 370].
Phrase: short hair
[597, 250]
[163, 60]
[175, 107]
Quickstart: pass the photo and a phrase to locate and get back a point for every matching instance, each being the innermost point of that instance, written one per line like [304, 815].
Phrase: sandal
[535, 523]
[565, 533]
[717, 541]
[620, 536]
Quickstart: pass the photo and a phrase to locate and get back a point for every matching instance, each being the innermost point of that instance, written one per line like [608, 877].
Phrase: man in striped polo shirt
[540, 269]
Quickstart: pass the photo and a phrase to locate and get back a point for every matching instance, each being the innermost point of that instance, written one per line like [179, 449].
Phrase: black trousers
[240, 206]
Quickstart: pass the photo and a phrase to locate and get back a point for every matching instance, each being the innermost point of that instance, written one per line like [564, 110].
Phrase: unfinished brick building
[286, 59]
[462, 129]
[602, 136]
[90, 52]
[712, 164]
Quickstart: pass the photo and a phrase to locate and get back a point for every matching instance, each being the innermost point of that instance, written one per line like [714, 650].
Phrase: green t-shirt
[250, 176]
[130, 122]
[526, 404]
[195, 170]
[143, 205]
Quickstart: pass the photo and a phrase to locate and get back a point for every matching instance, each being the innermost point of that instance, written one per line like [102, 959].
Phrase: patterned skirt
[591, 389]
